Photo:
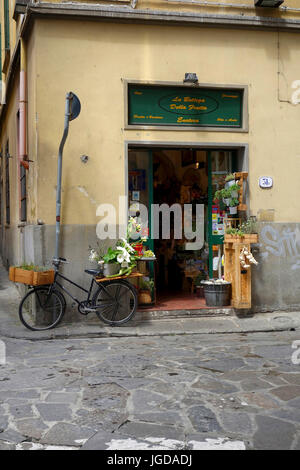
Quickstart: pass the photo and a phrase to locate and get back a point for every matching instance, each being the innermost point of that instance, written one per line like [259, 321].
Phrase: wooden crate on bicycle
[31, 277]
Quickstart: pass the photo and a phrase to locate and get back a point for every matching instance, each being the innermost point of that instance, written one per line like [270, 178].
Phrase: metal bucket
[217, 295]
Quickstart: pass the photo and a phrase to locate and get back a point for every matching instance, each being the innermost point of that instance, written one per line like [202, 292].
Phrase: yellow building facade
[98, 50]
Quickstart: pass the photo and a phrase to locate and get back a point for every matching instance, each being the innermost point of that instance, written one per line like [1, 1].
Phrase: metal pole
[69, 97]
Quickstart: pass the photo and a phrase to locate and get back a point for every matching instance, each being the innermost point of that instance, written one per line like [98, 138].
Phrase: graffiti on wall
[283, 243]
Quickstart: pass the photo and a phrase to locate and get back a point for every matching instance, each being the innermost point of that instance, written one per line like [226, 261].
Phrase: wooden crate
[241, 177]
[247, 238]
[239, 277]
[31, 278]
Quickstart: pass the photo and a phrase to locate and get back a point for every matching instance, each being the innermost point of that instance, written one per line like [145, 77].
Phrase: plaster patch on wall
[283, 243]
[83, 190]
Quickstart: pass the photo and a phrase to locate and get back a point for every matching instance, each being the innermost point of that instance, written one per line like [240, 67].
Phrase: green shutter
[6, 23]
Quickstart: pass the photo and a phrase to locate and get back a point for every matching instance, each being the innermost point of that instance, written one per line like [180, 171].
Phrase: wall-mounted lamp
[190, 78]
[268, 3]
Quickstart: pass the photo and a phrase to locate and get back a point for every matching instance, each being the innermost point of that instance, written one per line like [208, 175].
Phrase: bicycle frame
[56, 283]
[89, 292]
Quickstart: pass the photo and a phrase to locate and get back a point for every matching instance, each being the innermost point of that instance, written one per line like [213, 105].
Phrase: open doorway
[181, 176]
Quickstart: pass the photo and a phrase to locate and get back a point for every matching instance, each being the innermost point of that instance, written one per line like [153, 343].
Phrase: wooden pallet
[239, 277]
[241, 176]
[106, 279]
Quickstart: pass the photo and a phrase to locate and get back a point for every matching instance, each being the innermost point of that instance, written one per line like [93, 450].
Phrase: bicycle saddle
[92, 272]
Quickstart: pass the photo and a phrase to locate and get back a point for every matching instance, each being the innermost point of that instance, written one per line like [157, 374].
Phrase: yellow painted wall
[9, 132]
[91, 59]
[32, 130]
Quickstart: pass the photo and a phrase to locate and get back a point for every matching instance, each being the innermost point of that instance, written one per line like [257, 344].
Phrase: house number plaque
[265, 182]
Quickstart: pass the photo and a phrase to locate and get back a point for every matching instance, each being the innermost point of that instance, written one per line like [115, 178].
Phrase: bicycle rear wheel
[115, 301]
[42, 309]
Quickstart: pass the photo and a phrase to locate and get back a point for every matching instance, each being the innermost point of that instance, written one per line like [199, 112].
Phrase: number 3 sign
[265, 182]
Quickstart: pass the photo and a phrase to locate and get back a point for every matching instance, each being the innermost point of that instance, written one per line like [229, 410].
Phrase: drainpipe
[23, 108]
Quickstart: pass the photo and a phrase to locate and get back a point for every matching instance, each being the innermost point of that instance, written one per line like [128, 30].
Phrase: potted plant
[233, 206]
[121, 259]
[245, 233]
[218, 195]
[145, 291]
[229, 180]
[249, 228]
[226, 194]
[234, 190]
[31, 275]
[233, 234]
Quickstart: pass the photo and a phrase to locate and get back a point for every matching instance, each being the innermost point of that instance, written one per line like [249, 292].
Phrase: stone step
[154, 314]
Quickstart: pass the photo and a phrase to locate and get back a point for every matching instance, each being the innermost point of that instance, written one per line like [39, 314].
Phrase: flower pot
[139, 249]
[234, 194]
[110, 269]
[217, 295]
[31, 278]
[226, 201]
[229, 183]
[145, 297]
[233, 210]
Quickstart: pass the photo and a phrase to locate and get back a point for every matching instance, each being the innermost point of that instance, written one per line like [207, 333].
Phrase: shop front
[171, 178]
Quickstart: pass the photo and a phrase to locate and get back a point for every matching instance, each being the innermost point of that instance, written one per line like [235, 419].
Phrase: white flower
[124, 253]
[127, 246]
[120, 258]
[93, 255]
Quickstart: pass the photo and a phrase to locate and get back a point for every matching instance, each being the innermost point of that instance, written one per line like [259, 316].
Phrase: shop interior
[182, 176]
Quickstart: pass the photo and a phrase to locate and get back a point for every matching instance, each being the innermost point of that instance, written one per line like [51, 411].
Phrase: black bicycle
[43, 307]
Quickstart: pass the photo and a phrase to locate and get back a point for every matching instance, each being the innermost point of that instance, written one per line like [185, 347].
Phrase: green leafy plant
[218, 194]
[226, 193]
[123, 252]
[229, 177]
[234, 187]
[32, 267]
[249, 226]
[234, 202]
[147, 285]
[234, 231]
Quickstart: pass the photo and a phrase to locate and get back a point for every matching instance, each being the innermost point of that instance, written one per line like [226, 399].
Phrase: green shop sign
[183, 106]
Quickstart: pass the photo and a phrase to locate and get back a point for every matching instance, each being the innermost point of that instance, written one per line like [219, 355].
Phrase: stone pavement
[238, 391]
[155, 384]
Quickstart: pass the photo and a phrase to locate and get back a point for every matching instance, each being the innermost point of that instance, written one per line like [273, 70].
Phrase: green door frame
[212, 239]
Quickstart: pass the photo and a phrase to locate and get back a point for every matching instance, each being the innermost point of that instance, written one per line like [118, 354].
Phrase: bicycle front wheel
[42, 309]
[115, 301]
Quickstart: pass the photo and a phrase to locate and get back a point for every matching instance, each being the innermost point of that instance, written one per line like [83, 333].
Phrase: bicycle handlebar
[57, 261]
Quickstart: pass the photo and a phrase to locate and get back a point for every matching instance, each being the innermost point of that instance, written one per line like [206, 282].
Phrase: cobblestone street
[236, 391]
